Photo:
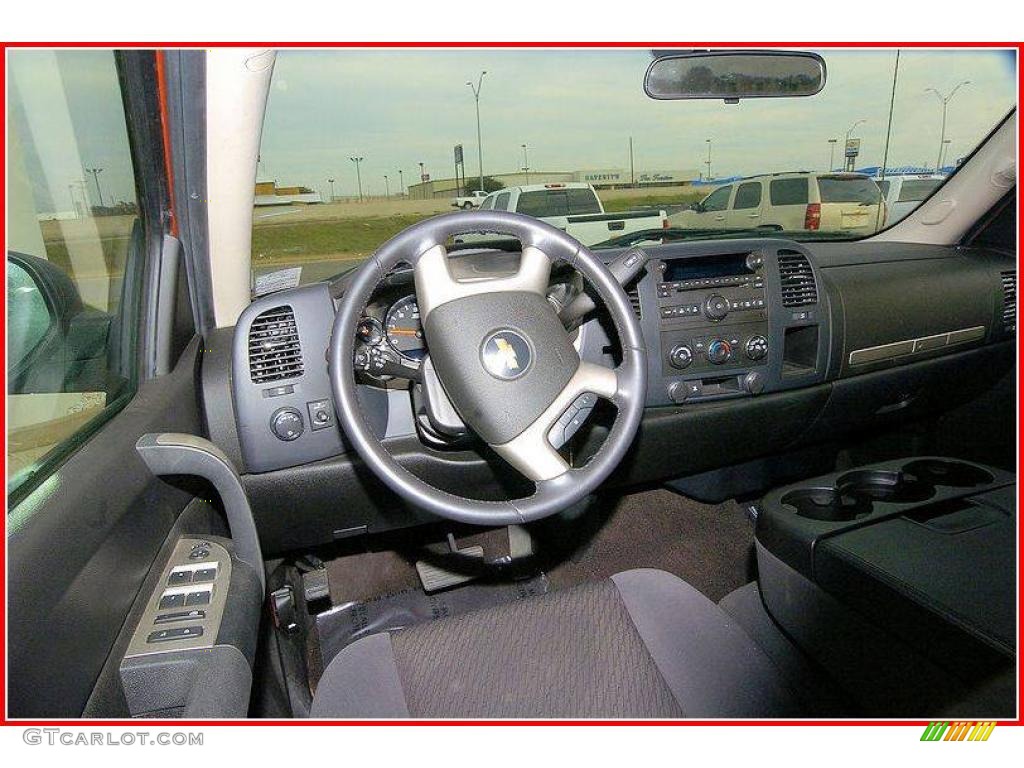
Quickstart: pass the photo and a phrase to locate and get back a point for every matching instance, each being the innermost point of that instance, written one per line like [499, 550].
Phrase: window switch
[170, 618]
[204, 574]
[172, 601]
[178, 633]
[179, 577]
[198, 598]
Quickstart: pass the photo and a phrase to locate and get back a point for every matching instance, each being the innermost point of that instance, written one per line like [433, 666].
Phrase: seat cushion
[642, 644]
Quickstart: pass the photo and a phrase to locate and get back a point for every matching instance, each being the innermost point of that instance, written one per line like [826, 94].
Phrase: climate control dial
[757, 347]
[681, 356]
[719, 351]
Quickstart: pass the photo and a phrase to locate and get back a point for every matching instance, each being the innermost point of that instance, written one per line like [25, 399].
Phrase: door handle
[719, 218]
[753, 215]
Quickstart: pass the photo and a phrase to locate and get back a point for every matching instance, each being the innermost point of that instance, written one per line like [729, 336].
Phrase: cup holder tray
[853, 494]
[793, 518]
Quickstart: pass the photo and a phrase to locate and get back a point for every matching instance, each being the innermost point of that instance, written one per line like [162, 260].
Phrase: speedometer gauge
[403, 329]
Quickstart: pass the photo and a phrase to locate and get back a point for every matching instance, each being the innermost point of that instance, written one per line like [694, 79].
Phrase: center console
[733, 319]
[903, 570]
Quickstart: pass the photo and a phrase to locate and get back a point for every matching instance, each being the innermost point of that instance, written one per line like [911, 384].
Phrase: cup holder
[955, 474]
[885, 485]
[827, 504]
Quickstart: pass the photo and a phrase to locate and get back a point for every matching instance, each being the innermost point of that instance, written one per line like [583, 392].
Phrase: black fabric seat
[643, 644]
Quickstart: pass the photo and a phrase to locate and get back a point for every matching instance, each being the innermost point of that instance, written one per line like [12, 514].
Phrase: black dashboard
[754, 346]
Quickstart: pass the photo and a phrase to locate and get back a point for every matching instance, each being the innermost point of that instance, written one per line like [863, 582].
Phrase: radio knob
[681, 356]
[716, 307]
[753, 382]
[719, 351]
[757, 347]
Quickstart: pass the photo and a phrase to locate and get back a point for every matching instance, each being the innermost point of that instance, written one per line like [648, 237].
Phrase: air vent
[796, 279]
[274, 351]
[1009, 280]
[633, 294]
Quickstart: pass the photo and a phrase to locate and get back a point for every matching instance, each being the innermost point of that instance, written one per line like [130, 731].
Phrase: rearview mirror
[735, 75]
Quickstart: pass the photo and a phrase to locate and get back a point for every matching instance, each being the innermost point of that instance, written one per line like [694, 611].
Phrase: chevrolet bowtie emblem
[506, 354]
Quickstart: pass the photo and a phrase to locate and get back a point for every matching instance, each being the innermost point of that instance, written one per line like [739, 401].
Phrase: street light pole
[708, 161]
[526, 165]
[331, 182]
[945, 102]
[99, 193]
[387, 190]
[401, 184]
[479, 146]
[423, 184]
[832, 154]
[359, 178]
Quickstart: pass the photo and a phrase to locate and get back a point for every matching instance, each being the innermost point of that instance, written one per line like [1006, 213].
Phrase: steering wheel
[505, 361]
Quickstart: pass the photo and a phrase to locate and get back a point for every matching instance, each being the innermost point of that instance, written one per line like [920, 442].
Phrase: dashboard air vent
[1009, 280]
[274, 352]
[633, 294]
[796, 279]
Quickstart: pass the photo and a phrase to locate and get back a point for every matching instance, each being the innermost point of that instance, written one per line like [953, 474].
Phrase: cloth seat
[642, 644]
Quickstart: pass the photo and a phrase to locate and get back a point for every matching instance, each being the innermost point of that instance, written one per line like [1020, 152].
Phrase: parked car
[905, 192]
[572, 207]
[473, 200]
[828, 202]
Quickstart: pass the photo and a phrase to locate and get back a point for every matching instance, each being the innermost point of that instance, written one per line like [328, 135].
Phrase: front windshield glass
[358, 145]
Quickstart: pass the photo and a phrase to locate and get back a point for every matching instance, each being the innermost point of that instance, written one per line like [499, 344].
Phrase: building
[268, 193]
[607, 178]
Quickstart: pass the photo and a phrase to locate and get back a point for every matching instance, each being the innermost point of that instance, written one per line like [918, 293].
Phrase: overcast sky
[577, 109]
[574, 109]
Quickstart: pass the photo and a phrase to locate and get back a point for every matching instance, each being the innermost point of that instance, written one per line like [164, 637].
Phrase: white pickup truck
[572, 207]
[465, 202]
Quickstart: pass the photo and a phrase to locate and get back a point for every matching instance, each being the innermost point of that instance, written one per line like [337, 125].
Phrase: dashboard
[754, 346]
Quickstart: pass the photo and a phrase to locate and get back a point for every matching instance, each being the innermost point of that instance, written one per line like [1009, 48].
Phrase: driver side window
[72, 214]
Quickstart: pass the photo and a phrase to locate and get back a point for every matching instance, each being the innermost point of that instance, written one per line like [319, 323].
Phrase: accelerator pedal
[435, 577]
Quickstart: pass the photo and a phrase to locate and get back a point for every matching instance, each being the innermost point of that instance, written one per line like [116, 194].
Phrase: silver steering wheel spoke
[534, 451]
[435, 284]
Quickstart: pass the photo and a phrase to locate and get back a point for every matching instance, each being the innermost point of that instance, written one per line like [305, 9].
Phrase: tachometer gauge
[403, 329]
[369, 331]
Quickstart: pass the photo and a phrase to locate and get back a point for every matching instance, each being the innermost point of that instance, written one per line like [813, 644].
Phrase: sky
[576, 110]
[66, 109]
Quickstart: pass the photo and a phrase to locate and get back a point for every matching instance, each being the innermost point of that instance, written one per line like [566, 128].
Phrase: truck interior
[742, 472]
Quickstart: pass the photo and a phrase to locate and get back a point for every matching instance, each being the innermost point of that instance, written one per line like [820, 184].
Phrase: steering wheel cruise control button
[572, 419]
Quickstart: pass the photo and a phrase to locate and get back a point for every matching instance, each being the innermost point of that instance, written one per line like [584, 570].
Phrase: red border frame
[4, 721]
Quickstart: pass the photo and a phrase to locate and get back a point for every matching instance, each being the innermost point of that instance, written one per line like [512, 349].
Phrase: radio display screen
[724, 265]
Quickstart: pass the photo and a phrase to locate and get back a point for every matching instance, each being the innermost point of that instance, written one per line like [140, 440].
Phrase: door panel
[80, 546]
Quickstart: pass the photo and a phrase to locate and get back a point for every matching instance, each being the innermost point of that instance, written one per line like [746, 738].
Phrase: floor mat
[708, 546]
[346, 623]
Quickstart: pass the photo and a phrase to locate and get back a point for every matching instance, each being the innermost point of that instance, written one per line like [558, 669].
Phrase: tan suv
[829, 202]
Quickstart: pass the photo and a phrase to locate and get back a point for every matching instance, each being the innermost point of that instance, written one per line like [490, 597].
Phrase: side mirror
[32, 318]
[697, 207]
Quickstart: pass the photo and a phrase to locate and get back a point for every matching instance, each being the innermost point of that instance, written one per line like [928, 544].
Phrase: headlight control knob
[287, 424]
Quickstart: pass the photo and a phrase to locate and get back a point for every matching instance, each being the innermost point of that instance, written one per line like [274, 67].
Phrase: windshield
[358, 145]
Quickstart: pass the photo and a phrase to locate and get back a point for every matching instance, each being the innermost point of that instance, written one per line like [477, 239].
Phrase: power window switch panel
[177, 578]
[198, 598]
[204, 574]
[175, 600]
[177, 633]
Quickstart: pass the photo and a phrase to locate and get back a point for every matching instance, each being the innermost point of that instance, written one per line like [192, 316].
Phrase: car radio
[713, 318]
